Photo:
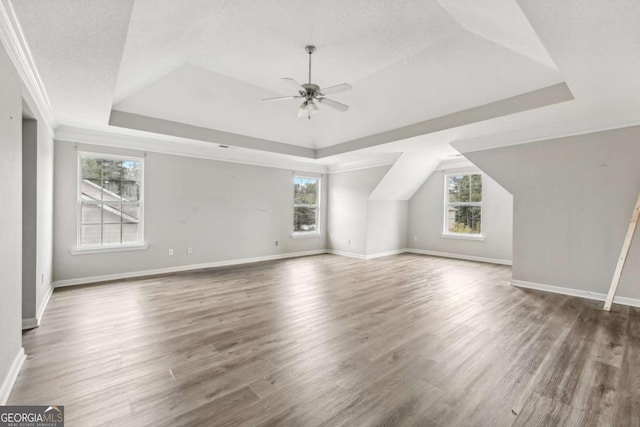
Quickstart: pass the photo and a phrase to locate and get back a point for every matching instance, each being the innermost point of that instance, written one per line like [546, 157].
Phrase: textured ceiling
[207, 63]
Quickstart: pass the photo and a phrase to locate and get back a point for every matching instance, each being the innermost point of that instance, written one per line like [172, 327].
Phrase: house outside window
[110, 201]
[463, 205]
[306, 205]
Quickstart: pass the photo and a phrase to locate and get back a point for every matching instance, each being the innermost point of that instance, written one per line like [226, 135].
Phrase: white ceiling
[207, 63]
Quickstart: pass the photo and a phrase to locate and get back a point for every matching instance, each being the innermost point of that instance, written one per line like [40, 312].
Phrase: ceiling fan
[312, 94]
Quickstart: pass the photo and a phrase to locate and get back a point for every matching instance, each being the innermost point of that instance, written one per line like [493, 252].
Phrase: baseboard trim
[597, 296]
[347, 254]
[388, 253]
[12, 376]
[457, 256]
[177, 269]
[44, 304]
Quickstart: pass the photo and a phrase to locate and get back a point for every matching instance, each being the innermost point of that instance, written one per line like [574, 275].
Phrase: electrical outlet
[170, 252]
[276, 243]
[349, 242]
[415, 238]
[42, 278]
[189, 250]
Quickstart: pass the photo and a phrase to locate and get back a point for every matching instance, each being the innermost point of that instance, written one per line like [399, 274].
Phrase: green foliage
[465, 188]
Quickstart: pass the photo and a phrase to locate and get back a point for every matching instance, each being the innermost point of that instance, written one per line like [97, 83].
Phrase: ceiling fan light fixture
[312, 93]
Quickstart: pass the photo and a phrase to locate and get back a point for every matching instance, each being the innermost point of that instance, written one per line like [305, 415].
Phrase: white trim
[489, 143]
[12, 376]
[362, 164]
[16, 46]
[30, 323]
[460, 236]
[597, 296]
[104, 249]
[184, 147]
[44, 304]
[34, 322]
[387, 253]
[457, 256]
[347, 254]
[305, 234]
[176, 269]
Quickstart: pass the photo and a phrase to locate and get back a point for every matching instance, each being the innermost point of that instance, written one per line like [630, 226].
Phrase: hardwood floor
[325, 340]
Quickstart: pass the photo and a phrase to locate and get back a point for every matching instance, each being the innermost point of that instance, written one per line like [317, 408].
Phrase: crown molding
[489, 142]
[364, 164]
[16, 46]
[182, 147]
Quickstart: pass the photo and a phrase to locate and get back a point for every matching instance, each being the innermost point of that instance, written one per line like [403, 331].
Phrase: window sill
[82, 251]
[477, 237]
[305, 235]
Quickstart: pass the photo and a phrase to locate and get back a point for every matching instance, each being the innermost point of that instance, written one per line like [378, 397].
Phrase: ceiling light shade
[303, 110]
[312, 108]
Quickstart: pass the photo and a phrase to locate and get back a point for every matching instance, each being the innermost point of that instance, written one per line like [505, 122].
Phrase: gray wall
[573, 199]
[224, 211]
[426, 211]
[386, 225]
[30, 217]
[10, 215]
[347, 218]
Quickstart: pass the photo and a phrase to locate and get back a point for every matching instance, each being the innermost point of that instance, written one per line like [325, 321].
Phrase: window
[110, 201]
[306, 203]
[463, 205]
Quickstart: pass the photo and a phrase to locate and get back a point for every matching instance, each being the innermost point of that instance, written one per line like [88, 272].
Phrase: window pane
[130, 233]
[111, 190]
[112, 213]
[130, 212]
[111, 169]
[91, 213]
[90, 235]
[305, 191]
[130, 190]
[111, 234]
[476, 188]
[304, 219]
[90, 169]
[465, 189]
[131, 170]
[464, 219]
[91, 189]
[453, 185]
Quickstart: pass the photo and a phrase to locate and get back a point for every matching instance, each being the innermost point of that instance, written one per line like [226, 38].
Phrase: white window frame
[317, 205]
[79, 249]
[445, 226]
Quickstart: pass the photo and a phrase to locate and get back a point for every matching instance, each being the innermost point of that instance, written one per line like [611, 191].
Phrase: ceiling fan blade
[333, 104]
[294, 84]
[282, 98]
[335, 89]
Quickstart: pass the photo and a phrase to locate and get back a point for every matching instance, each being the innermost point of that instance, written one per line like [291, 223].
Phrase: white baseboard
[347, 254]
[34, 322]
[176, 269]
[387, 253]
[30, 323]
[44, 303]
[574, 292]
[12, 376]
[458, 256]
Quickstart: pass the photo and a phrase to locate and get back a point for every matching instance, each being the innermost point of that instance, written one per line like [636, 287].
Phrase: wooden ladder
[623, 256]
